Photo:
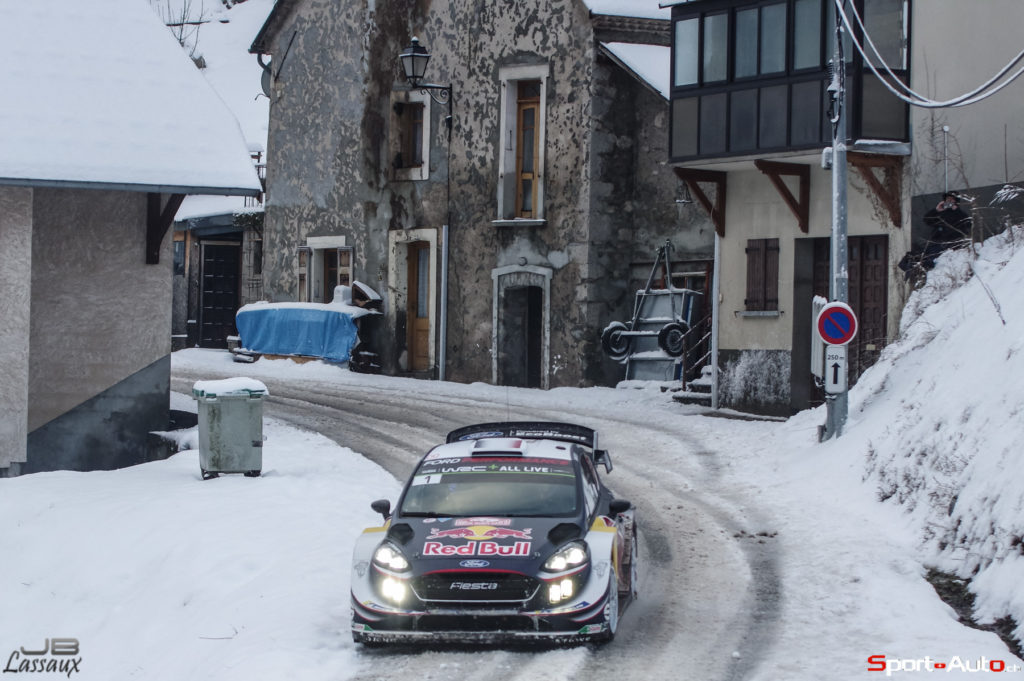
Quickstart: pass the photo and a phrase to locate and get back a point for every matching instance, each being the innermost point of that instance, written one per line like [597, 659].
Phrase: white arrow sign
[835, 369]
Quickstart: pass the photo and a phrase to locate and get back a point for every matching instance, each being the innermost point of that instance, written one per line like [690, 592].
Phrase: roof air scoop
[506, 446]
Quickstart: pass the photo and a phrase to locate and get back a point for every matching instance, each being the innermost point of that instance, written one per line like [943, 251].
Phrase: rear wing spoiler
[527, 430]
[536, 430]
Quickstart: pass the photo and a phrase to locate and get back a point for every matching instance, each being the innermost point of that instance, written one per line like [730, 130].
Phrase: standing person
[950, 226]
[948, 222]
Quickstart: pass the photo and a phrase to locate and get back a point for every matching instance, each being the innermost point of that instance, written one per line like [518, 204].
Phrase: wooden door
[418, 310]
[868, 258]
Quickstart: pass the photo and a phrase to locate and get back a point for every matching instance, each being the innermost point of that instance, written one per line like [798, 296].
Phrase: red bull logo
[481, 533]
[520, 549]
[480, 541]
[504, 533]
[458, 532]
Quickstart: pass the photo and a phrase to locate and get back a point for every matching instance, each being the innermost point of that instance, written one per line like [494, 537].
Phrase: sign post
[836, 326]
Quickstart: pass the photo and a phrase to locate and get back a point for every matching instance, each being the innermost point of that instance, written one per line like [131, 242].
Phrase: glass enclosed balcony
[752, 77]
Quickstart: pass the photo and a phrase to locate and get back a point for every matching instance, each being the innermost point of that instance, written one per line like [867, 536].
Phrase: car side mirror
[603, 458]
[382, 506]
[619, 506]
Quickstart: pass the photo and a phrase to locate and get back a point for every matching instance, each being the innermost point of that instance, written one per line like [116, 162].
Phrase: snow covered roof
[649, 63]
[100, 93]
[641, 9]
[235, 75]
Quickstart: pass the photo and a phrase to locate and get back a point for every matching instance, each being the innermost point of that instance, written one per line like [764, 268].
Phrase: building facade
[100, 150]
[503, 227]
[752, 118]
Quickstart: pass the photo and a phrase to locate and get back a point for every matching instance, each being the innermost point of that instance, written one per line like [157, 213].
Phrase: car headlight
[569, 557]
[390, 557]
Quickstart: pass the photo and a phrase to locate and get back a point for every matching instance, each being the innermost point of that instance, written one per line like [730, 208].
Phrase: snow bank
[939, 418]
[233, 578]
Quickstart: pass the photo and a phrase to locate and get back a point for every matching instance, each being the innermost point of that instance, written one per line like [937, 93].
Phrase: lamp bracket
[442, 94]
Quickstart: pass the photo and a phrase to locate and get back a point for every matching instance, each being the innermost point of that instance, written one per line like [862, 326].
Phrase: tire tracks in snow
[708, 600]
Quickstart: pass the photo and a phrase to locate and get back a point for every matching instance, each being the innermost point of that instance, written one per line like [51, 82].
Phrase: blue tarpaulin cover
[307, 329]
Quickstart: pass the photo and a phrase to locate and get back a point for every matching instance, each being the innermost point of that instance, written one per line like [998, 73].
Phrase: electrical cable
[918, 99]
[878, 55]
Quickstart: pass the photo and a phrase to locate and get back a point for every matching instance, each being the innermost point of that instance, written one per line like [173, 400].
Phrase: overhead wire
[916, 99]
[951, 102]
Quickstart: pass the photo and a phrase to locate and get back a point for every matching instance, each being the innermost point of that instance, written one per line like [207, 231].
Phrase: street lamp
[414, 62]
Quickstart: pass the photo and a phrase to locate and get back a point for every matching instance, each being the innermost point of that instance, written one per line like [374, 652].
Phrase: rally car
[503, 533]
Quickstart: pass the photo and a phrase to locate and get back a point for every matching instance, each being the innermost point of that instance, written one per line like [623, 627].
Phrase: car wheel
[672, 339]
[614, 342]
[611, 610]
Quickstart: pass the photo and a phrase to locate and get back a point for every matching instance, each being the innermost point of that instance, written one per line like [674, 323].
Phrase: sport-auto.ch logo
[892, 665]
[55, 655]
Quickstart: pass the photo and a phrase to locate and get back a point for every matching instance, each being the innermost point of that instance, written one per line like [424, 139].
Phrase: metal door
[219, 292]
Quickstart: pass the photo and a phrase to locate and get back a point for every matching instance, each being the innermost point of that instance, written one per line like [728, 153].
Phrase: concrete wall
[605, 150]
[100, 320]
[954, 52]
[15, 307]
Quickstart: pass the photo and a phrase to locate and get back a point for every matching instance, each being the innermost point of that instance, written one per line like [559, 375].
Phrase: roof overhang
[129, 187]
[275, 20]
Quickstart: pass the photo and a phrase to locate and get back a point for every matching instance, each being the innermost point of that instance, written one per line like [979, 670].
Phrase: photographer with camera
[948, 222]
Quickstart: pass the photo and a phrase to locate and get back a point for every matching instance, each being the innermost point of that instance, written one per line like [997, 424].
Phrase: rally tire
[611, 610]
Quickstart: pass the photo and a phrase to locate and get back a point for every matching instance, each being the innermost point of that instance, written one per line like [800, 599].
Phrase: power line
[917, 99]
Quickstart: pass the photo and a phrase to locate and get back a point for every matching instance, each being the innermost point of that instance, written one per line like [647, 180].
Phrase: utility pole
[839, 286]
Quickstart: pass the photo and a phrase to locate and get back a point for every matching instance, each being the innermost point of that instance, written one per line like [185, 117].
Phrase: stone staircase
[697, 391]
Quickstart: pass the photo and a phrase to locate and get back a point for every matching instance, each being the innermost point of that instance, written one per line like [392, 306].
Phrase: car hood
[481, 543]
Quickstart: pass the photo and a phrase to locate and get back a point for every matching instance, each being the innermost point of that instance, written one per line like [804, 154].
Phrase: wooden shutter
[771, 274]
[762, 275]
[755, 275]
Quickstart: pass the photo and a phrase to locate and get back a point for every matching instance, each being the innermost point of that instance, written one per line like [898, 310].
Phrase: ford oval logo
[474, 563]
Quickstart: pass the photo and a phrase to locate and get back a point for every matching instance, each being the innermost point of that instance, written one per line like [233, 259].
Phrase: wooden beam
[693, 177]
[801, 207]
[888, 189]
[157, 223]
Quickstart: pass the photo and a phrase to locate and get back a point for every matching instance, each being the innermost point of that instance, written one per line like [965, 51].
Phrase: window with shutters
[528, 109]
[521, 156]
[409, 145]
[762, 275]
[303, 254]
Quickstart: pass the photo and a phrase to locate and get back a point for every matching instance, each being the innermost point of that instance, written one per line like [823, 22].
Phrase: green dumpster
[230, 426]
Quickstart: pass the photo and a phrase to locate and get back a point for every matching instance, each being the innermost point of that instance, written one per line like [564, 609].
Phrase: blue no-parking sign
[836, 324]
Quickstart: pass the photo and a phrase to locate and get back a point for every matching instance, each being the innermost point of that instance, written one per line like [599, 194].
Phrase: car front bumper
[373, 623]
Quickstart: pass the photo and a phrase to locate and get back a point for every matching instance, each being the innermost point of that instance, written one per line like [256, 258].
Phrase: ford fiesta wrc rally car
[503, 533]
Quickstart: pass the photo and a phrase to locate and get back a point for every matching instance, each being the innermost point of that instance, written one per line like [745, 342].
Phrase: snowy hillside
[938, 422]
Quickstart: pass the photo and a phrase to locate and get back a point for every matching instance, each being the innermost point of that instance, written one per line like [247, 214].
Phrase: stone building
[505, 225]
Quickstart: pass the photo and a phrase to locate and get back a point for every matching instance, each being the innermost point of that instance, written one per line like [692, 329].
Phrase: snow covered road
[768, 556]
[700, 601]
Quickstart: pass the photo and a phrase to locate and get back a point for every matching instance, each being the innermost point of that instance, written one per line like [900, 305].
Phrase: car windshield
[505, 486]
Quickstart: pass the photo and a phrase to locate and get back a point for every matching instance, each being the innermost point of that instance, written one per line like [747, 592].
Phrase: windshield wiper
[426, 514]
